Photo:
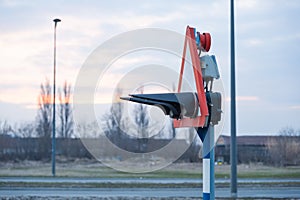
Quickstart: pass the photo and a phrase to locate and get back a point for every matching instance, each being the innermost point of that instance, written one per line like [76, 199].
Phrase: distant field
[87, 168]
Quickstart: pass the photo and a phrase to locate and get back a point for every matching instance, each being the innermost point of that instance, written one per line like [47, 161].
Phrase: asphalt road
[137, 180]
[261, 188]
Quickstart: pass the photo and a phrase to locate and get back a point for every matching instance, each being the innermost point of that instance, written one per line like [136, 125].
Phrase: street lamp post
[53, 114]
[233, 148]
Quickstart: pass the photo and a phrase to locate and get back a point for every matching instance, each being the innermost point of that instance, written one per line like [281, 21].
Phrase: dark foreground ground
[145, 193]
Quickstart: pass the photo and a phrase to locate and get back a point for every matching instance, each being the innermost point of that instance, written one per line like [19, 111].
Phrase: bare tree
[25, 145]
[87, 129]
[285, 149]
[25, 130]
[65, 111]
[142, 122]
[44, 118]
[5, 128]
[113, 121]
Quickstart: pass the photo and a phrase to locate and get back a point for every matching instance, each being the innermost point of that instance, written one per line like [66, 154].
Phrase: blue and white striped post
[207, 137]
[212, 161]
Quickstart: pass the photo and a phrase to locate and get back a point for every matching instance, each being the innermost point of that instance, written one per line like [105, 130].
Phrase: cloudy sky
[267, 50]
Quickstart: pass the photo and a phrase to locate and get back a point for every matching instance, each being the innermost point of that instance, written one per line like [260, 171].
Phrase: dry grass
[91, 168]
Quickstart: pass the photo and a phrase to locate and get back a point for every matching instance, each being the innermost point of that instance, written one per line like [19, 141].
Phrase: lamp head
[57, 20]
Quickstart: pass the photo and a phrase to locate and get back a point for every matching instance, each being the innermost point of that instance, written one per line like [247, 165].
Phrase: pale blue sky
[267, 49]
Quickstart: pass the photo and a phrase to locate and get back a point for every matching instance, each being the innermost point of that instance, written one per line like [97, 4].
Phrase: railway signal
[200, 109]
